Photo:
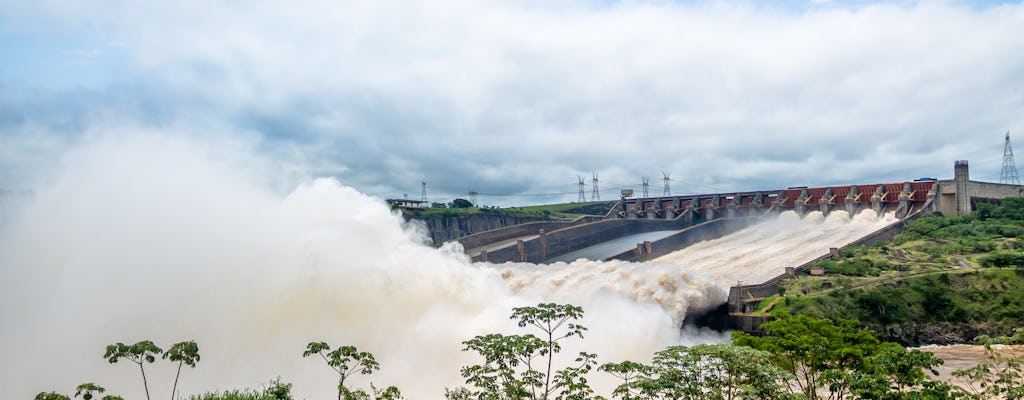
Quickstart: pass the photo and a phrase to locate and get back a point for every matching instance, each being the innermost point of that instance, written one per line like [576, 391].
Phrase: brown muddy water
[960, 356]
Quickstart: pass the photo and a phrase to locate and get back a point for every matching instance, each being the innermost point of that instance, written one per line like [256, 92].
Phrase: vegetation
[138, 353]
[185, 353]
[520, 366]
[348, 361]
[845, 361]
[275, 391]
[943, 280]
[798, 357]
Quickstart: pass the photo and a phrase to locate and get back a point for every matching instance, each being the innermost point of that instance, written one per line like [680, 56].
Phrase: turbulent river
[166, 240]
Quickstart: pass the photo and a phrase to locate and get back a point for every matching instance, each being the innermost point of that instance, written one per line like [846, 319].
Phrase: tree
[633, 376]
[500, 376]
[86, 390]
[51, 396]
[139, 353]
[549, 318]
[185, 353]
[348, 361]
[847, 361]
[510, 369]
[714, 372]
[461, 203]
[895, 373]
[820, 353]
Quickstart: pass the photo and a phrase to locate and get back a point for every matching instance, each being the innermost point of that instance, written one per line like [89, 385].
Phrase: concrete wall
[561, 241]
[443, 228]
[505, 233]
[986, 190]
[951, 202]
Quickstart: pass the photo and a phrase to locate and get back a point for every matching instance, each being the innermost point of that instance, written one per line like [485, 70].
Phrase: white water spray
[155, 238]
[763, 251]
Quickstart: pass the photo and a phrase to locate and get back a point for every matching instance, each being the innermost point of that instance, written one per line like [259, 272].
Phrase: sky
[517, 100]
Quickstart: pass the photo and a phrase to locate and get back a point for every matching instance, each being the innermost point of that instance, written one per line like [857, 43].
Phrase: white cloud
[392, 93]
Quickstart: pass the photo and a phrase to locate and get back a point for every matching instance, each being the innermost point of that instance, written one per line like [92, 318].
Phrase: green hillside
[943, 280]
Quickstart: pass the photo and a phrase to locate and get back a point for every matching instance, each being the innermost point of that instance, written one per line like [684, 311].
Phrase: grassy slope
[939, 272]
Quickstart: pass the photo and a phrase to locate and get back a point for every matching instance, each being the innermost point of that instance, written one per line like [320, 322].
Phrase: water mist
[154, 237]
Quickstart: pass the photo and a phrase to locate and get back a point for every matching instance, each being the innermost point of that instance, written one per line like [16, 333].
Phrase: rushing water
[164, 239]
[763, 251]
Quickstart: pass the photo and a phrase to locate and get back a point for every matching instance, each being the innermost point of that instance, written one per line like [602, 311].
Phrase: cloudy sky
[515, 99]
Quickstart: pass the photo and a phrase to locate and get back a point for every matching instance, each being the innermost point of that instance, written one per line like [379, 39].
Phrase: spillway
[763, 251]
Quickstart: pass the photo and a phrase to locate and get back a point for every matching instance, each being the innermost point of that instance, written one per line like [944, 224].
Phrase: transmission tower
[472, 197]
[1009, 174]
[423, 195]
[583, 197]
[595, 195]
[668, 190]
[647, 185]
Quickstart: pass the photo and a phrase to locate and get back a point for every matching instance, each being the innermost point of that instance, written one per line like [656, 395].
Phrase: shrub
[1000, 260]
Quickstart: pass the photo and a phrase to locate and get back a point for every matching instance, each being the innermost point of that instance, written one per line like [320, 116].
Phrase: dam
[747, 241]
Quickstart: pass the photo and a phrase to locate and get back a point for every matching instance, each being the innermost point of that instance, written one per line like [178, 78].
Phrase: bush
[461, 203]
[1000, 260]
[276, 390]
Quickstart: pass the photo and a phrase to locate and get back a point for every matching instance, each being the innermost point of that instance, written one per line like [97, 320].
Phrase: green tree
[348, 361]
[138, 353]
[895, 373]
[820, 353]
[550, 318]
[185, 353]
[508, 370]
[522, 366]
[846, 361]
[461, 203]
[51, 396]
[86, 390]
[633, 376]
[715, 372]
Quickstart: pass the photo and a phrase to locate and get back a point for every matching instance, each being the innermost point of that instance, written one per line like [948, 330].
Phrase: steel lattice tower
[583, 197]
[647, 185]
[1009, 173]
[596, 194]
[668, 189]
